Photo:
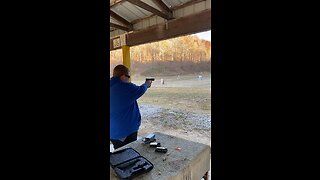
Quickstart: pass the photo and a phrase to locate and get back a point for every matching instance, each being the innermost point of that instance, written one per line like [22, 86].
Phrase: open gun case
[128, 163]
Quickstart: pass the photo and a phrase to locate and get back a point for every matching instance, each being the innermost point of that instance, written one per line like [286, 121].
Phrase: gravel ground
[180, 120]
[175, 118]
[186, 125]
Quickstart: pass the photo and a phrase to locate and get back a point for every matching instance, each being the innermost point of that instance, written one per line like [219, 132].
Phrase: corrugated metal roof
[174, 3]
[149, 2]
[114, 21]
[133, 13]
[130, 12]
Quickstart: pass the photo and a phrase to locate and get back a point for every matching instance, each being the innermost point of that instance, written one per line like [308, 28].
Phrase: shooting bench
[185, 159]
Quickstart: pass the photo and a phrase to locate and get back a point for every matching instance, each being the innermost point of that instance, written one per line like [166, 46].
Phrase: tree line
[182, 49]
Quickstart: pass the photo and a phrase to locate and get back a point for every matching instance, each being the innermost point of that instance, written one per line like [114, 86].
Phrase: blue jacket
[125, 117]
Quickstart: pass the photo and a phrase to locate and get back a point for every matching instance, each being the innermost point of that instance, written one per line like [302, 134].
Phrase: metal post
[126, 57]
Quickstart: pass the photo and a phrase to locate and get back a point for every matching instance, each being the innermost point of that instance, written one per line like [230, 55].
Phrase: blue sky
[204, 35]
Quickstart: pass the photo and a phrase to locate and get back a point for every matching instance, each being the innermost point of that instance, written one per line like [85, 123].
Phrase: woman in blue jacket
[125, 118]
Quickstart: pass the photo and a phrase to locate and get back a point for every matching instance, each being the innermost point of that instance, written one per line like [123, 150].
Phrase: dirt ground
[180, 107]
[175, 122]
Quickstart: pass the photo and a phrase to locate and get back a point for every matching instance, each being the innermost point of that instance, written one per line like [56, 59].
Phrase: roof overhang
[135, 22]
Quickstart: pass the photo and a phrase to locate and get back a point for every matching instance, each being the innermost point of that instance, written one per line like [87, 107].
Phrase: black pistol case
[128, 163]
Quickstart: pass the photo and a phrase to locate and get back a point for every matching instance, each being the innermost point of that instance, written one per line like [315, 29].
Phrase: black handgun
[128, 164]
[150, 79]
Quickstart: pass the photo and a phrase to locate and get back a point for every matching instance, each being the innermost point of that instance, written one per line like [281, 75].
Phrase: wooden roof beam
[187, 4]
[115, 2]
[187, 25]
[119, 27]
[151, 9]
[163, 6]
[121, 19]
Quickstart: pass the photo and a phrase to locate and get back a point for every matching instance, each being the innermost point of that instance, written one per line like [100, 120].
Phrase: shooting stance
[125, 118]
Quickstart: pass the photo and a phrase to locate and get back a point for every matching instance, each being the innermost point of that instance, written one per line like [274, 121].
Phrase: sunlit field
[186, 93]
[181, 106]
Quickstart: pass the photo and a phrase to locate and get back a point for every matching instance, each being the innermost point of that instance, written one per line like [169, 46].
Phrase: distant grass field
[186, 93]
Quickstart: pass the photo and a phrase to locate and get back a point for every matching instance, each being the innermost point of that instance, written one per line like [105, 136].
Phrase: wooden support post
[126, 57]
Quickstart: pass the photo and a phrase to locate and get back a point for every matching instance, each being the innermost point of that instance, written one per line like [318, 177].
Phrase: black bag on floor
[128, 163]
